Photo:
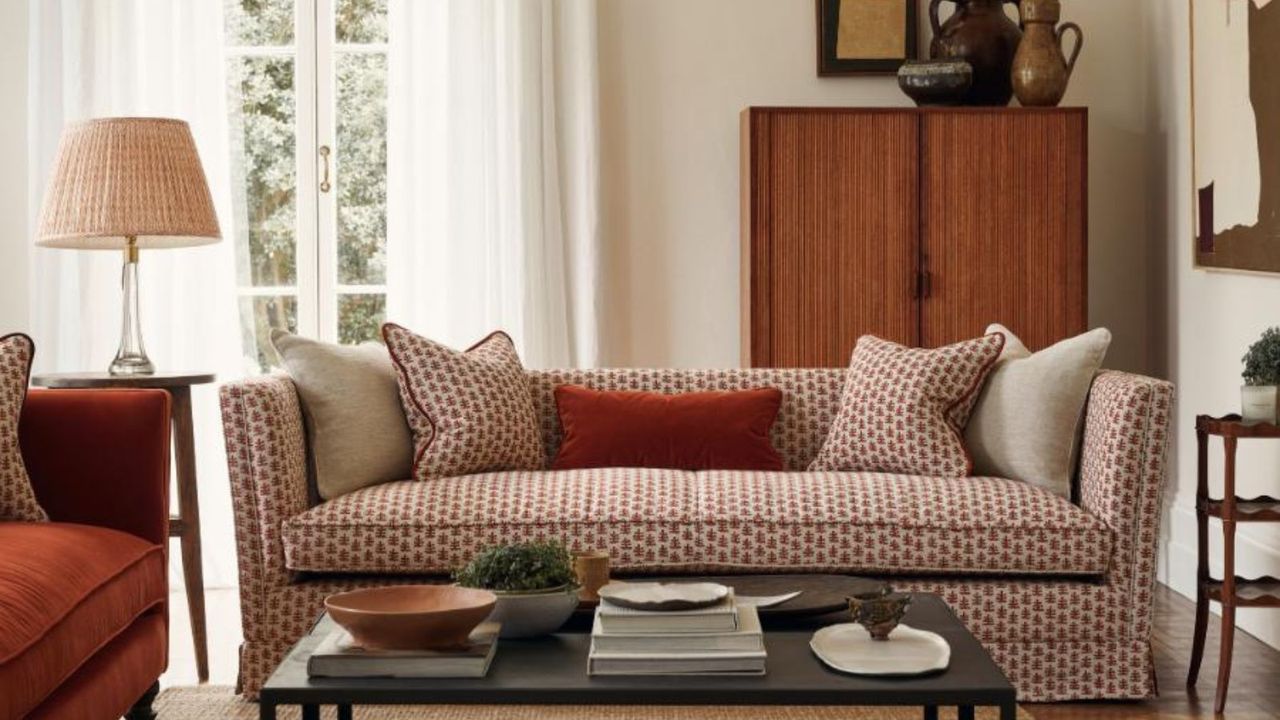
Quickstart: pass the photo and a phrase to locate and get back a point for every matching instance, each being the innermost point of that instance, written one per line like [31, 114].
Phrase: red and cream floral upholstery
[469, 411]
[17, 499]
[665, 520]
[1057, 637]
[904, 409]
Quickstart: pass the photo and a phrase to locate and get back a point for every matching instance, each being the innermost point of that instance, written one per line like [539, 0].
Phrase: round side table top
[107, 380]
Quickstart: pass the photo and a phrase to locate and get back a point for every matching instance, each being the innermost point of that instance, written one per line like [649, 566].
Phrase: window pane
[259, 315]
[360, 318]
[361, 21]
[259, 22]
[362, 168]
[261, 100]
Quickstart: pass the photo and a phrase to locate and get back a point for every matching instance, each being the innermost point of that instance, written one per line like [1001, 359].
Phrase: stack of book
[339, 656]
[724, 639]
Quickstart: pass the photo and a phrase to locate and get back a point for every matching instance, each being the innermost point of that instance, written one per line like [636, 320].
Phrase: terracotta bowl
[411, 617]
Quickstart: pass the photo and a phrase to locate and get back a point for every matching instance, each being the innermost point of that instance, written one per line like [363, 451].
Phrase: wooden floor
[1255, 681]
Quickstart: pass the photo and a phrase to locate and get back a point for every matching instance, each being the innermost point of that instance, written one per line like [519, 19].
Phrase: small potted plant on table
[534, 583]
[1258, 397]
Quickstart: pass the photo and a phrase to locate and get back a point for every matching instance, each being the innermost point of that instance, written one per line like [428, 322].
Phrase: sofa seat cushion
[65, 592]
[667, 520]
[894, 524]
[642, 517]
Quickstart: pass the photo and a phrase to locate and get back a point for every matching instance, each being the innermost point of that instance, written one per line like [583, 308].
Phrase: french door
[306, 93]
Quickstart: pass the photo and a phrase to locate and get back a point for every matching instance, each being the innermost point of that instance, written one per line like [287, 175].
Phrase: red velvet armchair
[83, 619]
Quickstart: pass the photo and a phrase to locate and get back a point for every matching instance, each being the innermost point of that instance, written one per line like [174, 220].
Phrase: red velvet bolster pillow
[689, 431]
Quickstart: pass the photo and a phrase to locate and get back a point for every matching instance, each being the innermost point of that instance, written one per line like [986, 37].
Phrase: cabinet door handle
[924, 284]
[325, 185]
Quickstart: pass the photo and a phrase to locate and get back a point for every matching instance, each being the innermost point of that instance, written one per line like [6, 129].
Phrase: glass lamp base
[132, 365]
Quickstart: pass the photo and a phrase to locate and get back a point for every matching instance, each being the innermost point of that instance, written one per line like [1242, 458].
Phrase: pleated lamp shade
[117, 178]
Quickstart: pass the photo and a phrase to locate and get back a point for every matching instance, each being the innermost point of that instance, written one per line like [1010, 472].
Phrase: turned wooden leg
[142, 710]
[1202, 558]
[1224, 658]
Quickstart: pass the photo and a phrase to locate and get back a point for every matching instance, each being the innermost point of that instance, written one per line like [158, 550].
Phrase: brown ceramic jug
[979, 32]
[1041, 69]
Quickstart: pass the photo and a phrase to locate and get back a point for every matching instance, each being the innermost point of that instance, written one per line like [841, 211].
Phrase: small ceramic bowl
[411, 617]
[531, 614]
[936, 82]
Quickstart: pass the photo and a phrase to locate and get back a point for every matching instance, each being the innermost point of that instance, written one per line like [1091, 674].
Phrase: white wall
[14, 239]
[1211, 318]
[675, 75]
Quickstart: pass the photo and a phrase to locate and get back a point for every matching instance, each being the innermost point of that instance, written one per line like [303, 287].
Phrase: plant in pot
[534, 583]
[1258, 397]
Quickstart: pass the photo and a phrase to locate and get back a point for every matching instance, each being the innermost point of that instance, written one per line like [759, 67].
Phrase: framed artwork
[860, 37]
[1235, 101]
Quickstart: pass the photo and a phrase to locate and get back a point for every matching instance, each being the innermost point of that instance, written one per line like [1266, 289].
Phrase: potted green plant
[534, 583]
[1258, 397]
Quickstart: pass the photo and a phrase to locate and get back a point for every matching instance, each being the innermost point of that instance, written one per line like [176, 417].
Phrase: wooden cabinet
[918, 225]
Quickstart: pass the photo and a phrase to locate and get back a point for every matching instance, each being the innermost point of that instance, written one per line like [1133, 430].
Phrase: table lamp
[128, 184]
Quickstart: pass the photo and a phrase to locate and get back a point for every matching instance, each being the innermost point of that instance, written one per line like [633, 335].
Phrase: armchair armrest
[1122, 475]
[100, 457]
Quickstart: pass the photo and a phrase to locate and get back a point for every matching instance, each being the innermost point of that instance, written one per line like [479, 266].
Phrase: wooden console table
[185, 525]
[1230, 591]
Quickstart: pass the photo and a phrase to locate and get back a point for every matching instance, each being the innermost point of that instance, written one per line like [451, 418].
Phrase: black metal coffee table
[553, 671]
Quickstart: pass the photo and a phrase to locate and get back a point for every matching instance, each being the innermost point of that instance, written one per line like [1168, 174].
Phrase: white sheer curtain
[93, 58]
[492, 169]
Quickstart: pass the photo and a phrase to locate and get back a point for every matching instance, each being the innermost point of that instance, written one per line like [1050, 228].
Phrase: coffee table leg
[1009, 711]
[266, 711]
[930, 712]
[344, 712]
[310, 712]
[964, 712]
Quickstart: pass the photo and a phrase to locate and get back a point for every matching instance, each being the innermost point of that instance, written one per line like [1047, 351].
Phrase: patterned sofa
[1060, 593]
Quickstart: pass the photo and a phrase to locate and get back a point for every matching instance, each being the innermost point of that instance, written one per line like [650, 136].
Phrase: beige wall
[1210, 318]
[674, 76]
[13, 166]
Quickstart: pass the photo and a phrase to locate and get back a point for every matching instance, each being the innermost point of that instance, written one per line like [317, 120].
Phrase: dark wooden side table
[184, 525]
[1231, 591]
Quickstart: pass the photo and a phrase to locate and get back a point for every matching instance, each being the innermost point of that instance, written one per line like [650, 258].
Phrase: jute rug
[220, 703]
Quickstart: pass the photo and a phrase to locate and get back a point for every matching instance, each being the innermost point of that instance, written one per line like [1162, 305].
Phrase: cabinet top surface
[910, 110]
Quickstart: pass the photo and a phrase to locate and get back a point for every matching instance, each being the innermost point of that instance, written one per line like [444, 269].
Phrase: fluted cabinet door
[1003, 223]
[830, 232]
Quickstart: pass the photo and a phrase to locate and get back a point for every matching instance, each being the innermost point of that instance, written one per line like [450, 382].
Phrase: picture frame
[1235, 120]
[847, 45]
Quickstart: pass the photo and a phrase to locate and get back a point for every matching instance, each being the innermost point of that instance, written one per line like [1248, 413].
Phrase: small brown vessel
[979, 33]
[1041, 69]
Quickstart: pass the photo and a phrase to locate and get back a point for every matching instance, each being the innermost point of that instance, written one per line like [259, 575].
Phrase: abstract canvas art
[1235, 70]
[865, 36]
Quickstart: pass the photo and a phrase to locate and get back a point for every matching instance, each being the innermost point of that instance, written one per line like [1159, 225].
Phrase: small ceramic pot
[879, 612]
[936, 82]
[1259, 403]
[531, 614]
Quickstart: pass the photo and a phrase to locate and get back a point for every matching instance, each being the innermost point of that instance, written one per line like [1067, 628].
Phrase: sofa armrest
[266, 459]
[100, 457]
[1122, 472]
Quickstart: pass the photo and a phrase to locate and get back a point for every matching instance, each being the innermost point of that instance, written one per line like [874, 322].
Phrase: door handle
[325, 185]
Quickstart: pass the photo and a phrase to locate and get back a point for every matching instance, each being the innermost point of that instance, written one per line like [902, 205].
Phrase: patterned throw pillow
[903, 409]
[470, 412]
[17, 499]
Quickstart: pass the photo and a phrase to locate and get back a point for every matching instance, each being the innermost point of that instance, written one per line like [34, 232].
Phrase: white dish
[848, 648]
[655, 596]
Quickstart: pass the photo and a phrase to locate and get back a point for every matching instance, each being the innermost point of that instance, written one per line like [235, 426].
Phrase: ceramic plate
[848, 648]
[664, 596]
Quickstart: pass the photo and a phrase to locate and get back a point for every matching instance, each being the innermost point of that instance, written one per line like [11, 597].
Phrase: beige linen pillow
[1026, 425]
[351, 403]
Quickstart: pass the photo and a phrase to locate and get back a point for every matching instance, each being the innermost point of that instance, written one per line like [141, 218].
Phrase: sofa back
[810, 398]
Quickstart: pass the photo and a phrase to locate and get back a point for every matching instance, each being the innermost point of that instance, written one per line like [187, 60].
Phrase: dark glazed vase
[980, 33]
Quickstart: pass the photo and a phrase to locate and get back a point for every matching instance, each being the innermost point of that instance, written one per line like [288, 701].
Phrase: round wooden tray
[821, 594]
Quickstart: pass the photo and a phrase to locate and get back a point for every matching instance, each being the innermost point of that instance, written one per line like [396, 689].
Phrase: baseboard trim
[1253, 557]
